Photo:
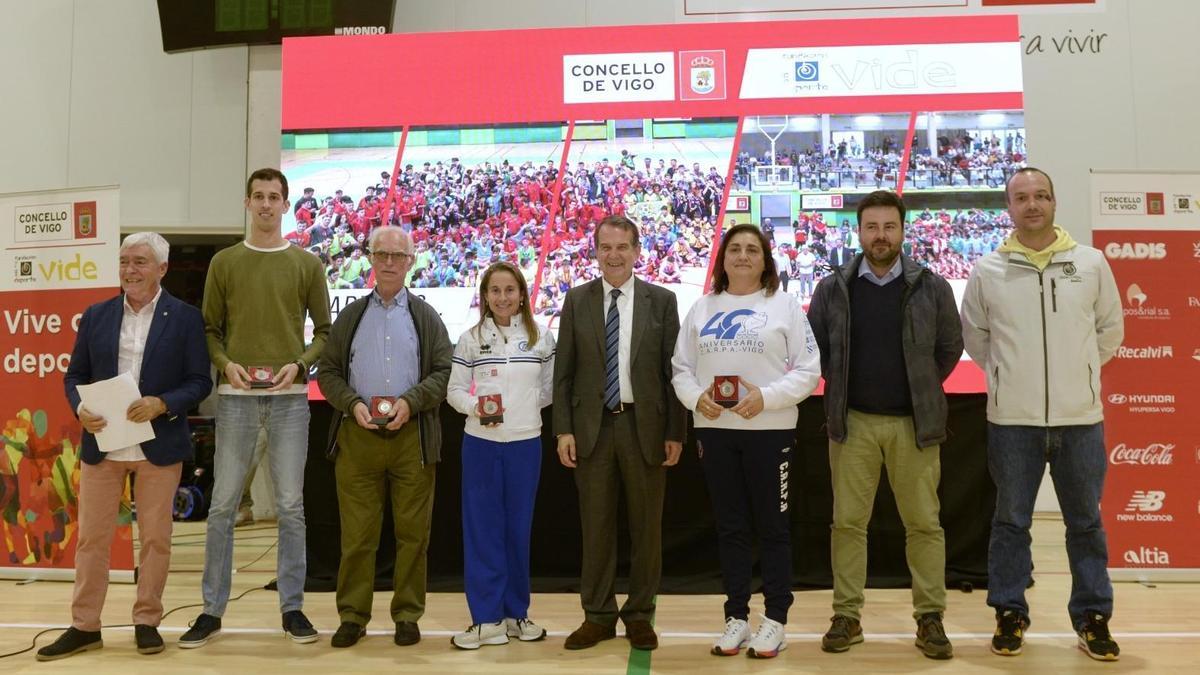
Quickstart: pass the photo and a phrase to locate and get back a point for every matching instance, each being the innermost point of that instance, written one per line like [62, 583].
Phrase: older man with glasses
[385, 369]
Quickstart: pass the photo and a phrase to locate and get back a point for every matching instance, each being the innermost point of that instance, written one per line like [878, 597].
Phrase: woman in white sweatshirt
[501, 378]
[744, 329]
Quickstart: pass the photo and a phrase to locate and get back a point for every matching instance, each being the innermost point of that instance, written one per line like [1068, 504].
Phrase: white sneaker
[737, 636]
[524, 630]
[481, 634]
[768, 640]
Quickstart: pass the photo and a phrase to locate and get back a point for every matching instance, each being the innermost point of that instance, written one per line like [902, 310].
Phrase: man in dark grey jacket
[385, 369]
[889, 335]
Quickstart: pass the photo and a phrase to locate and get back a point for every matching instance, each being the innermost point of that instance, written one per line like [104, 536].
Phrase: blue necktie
[612, 341]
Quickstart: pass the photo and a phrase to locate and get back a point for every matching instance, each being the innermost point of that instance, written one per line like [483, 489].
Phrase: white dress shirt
[625, 311]
[135, 328]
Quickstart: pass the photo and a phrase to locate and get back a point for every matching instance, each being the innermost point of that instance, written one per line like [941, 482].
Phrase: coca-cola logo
[1155, 454]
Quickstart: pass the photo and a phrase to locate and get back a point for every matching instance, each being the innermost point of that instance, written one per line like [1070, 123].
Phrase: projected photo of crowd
[667, 176]
[800, 178]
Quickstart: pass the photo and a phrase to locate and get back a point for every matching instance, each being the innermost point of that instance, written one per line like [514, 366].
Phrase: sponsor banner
[672, 71]
[707, 10]
[817, 202]
[1140, 201]
[1146, 225]
[926, 69]
[60, 256]
[611, 78]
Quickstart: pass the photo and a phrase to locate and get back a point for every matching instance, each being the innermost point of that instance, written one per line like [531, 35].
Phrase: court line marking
[1148, 635]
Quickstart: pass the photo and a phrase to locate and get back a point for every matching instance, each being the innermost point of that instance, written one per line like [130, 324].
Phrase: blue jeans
[239, 419]
[1017, 457]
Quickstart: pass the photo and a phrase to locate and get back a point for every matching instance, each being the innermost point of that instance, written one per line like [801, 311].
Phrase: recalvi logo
[1156, 352]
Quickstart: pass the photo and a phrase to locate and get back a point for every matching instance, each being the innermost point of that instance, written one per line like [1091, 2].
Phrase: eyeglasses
[392, 256]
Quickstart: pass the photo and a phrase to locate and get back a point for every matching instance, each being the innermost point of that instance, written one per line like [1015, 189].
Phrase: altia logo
[1135, 250]
[1154, 454]
[1147, 556]
[1146, 501]
[1155, 352]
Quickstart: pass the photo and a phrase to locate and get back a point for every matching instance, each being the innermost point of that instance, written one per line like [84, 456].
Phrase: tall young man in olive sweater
[255, 298]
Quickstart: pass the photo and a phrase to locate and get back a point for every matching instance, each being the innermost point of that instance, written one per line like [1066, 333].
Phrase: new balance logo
[1146, 500]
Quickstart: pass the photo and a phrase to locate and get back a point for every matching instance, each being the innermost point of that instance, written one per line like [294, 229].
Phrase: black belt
[621, 408]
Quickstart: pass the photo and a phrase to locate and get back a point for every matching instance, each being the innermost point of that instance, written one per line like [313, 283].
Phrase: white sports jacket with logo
[1041, 336]
[523, 374]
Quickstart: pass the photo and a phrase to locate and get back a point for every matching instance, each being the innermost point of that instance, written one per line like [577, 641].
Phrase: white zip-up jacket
[490, 361]
[1041, 336]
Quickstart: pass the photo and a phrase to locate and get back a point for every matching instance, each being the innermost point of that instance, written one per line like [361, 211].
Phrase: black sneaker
[1010, 633]
[204, 628]
[147, 638]
[348, 634]
[843, 632]
[71, 642]
[931, 637]
[1095, 640]
[298, 627]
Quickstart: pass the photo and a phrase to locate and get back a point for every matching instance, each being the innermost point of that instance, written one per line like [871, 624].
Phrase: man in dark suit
[618, 421]
[159, 340]
[840, 255]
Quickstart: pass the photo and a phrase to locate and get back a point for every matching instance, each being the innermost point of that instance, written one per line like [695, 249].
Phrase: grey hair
[377, 232]
[160, 247]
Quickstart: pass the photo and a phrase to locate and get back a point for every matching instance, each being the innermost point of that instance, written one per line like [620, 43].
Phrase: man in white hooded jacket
[1041, 315]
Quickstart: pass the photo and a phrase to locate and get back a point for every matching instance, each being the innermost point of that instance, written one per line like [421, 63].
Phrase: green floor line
[639, 659]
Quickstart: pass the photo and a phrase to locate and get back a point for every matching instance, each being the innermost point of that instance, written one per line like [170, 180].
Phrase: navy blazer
[175, 368]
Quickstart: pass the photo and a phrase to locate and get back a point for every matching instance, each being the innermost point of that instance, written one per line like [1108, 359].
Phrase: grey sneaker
[524, 630]
[931, 637]
[843, 632]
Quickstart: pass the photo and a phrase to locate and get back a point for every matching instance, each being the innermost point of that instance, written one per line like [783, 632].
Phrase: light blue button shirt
[385, 356]
[864, 270]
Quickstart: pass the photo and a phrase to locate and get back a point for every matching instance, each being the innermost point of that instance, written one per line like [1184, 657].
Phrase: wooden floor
[1157, 627]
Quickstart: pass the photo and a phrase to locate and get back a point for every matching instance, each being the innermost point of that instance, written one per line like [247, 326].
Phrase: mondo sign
[1147, 228]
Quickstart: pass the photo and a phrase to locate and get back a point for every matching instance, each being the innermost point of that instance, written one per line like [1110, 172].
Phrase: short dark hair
[267, 174]
[1028, 169]
[621, 223]
[882, 198]
[770, 274]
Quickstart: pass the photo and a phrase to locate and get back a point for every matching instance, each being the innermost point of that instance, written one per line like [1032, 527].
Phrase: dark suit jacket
[579, 368]
[840, 256]
[175, 368]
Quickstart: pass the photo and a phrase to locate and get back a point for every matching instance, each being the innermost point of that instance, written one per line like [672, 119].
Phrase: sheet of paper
[111, 400]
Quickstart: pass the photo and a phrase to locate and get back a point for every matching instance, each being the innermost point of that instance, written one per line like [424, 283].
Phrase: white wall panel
[36, 80]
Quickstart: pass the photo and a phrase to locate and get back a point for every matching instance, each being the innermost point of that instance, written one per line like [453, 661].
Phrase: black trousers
[747, 476]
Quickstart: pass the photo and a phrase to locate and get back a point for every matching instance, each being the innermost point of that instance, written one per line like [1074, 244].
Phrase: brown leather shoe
[641, 635]
[589, 634]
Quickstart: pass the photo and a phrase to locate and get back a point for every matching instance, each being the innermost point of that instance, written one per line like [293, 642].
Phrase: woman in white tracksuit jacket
[508, 354]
